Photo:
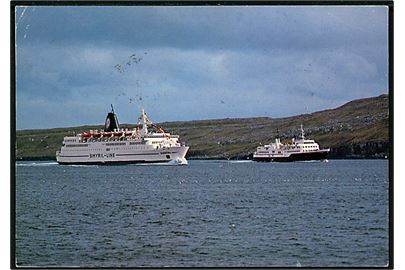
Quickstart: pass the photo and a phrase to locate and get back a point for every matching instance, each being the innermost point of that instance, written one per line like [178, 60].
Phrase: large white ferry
[115, 145]
[299, 150]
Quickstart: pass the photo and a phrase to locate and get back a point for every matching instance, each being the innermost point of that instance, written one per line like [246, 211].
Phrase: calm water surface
[209, 213]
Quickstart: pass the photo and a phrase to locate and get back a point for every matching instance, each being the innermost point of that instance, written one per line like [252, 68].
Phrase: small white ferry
[299, 150]
[115, 145]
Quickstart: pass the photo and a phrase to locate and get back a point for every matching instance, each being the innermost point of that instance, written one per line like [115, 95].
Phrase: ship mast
[302, 132]
[144, 123]
[278, 141]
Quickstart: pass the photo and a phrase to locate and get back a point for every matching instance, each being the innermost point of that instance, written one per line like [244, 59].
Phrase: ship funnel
[111, 121]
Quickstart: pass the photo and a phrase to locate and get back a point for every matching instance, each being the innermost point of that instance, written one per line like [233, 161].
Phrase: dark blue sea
[205, 214]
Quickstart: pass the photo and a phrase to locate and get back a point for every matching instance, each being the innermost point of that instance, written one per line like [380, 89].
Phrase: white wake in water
[240, 161]
[312, 161]
[31, 164]
[77, 165]
[174, 162]
[178, 161]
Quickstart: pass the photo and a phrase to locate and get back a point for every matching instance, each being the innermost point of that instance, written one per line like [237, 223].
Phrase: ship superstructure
[298, 150]
[115, 145]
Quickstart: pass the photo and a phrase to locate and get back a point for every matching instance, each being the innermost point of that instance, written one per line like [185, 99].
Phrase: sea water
[205, 214]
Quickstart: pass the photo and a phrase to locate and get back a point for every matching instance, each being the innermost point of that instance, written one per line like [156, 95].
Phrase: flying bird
[119, 68]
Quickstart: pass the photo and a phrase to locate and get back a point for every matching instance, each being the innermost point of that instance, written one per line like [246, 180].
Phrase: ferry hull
[174, 154]
[111, 162]
[305, 156]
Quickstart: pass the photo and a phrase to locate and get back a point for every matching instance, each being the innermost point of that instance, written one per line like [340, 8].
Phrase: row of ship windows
[120, 143]
[108, 144]
[305, 146]
[309, 146]
[77, 145]
[293, 147]
[160, 136]
[113, 148]
[105, 139]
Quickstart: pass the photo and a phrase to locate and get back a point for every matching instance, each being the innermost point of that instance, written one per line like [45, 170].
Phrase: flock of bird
[122, 68]
[133, 59]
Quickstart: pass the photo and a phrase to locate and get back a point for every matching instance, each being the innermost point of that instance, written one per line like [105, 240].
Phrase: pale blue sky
[187, 63]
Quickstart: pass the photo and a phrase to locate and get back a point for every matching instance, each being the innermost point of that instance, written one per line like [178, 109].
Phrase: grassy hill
[358, 129]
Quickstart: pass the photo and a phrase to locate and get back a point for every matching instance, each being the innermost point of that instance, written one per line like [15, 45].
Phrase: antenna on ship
[112, 109]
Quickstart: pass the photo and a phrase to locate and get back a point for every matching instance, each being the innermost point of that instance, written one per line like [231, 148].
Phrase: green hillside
[358, 129]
